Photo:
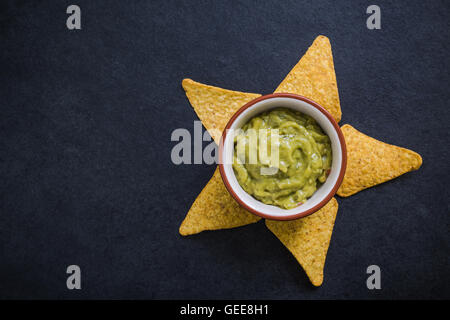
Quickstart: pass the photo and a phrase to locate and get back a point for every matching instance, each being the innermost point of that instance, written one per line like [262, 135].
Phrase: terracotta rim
[326, 199]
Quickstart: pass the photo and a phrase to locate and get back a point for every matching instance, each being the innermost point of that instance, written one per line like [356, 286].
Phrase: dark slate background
[85, 123]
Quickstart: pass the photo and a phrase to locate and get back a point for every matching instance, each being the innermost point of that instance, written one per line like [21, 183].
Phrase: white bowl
[328, 125]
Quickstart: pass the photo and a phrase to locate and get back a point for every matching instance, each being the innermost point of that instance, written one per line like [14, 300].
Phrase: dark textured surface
[85, 124]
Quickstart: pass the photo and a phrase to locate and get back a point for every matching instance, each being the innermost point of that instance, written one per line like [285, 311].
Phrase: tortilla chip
[371, 162]
[215, 106]
[215, 209]
[314, 77]
[308, 239]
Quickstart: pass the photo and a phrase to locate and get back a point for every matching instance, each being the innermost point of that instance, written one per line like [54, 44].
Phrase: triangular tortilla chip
[371, 162]
[215, 209]
[215, 106]
[308, 239]
[314, 77]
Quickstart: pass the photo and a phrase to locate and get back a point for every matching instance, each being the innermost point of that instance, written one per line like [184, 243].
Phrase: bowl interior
[320, 194]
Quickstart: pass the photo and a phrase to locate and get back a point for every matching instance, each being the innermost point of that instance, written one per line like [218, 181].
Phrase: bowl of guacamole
[282, 156]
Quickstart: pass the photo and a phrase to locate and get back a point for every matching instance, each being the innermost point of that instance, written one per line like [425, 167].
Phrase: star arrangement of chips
[369, 161]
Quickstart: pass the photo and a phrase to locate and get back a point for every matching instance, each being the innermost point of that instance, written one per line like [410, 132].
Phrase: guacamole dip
[303, 161]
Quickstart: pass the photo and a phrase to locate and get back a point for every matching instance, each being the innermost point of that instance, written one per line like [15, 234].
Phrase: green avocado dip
[302, 165]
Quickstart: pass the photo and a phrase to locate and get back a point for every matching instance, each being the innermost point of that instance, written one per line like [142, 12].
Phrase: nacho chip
[215, 209]
[215, 106]
[314, 77]
[308, 239]
[371, 162]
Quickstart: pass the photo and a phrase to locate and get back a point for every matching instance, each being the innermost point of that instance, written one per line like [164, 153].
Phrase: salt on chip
[215, 209]
[314, 77]
[371, 162]
[308, 238]
[215, 106]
